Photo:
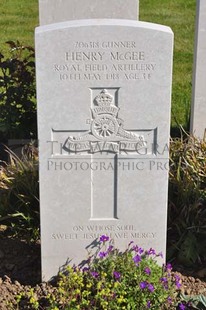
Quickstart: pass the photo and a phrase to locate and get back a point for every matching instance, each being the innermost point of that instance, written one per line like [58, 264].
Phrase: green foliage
[187, 201]
[17, 93]
[19, 192]
[195, 302]
[112, 279]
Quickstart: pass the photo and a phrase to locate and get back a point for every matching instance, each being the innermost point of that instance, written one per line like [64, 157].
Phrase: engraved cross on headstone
[103, 143]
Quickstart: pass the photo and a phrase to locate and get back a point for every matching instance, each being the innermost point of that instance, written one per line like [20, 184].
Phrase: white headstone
[54, 11]
[198, 110]
[104, 91]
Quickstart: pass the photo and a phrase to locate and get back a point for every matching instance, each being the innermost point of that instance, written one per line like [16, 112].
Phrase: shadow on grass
[178, 132]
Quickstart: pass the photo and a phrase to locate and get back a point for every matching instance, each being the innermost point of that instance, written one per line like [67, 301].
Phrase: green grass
[180, 16]
[18, 18]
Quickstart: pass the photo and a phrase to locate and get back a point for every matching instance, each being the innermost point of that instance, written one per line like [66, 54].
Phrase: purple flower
[143, 285]
[110, 248]
[85, 269]
[137, 259]
[140, 250]
[104, 238]
[94, 274]
[137, 249]
[181, 306]
[148, 304]
[164, 282]
[150, 287]
[117, 275]
[151, 252]
[177, 281]
[160, 254]
[168, 267]
[178, 285]
[147, 271]
[102, 254]
[177, 278]
[169, 299]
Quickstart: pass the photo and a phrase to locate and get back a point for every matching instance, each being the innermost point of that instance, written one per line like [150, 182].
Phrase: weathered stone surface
[198, 110]
[54, 11]
[104, 91]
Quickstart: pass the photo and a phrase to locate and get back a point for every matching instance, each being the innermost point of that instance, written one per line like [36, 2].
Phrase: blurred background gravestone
[54, 11]
[198, 110]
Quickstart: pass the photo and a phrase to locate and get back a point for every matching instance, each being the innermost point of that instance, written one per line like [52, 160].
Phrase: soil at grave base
[20, 270]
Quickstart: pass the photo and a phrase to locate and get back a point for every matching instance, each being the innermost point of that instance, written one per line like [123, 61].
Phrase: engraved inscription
[108, 44]
[99, 56]
[135, 56]
[98, 61]
[83, 56]
[89, 232]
